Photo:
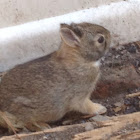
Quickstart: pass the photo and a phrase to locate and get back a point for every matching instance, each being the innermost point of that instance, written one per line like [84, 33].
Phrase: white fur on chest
[96, 64]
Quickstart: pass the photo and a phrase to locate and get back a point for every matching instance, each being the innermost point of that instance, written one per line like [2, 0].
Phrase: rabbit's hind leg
[37, 126]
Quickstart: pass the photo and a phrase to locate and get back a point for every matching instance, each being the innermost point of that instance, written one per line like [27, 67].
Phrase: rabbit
[45, 89]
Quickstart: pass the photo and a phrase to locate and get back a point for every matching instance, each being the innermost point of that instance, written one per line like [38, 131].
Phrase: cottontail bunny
[45, 89]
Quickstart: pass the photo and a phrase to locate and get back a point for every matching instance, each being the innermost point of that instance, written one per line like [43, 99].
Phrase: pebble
[99, 118]
[89, 126]
[120, 48]
[117, 56]
[132, 49]
[117, 109]
[46, 137]
[109, 54]
[67, 122]
[118, 104]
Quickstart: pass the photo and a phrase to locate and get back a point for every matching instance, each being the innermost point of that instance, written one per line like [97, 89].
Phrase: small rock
[118, 104]
[109, 54]
[99, 118]
[120, 48]
[82, 121]
[89, 126]
[103, 59]
[123, 52]
[132, 49]
[127, 101]
[67, 122]
[130, 110]
[117, 56]
[117, 109]
[46, 137]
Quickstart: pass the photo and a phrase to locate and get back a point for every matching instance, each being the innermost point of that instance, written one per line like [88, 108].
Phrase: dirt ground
[117, 104]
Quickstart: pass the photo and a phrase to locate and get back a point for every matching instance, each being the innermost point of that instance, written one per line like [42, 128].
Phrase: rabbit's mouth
[94, 56]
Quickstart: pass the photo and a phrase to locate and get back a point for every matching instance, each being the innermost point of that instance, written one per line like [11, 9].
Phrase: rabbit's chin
[97, 56]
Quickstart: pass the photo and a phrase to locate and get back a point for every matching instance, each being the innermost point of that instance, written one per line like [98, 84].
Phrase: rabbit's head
[91, 40]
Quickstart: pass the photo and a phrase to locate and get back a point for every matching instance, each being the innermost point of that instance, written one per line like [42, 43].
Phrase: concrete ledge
[25, 42]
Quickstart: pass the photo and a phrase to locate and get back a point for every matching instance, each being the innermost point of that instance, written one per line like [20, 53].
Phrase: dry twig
[4, 117]
[133, 95]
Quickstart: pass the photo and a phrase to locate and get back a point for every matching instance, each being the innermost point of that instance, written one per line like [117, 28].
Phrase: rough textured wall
[14, 12]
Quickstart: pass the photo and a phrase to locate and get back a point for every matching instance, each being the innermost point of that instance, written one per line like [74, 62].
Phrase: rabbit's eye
[101, 39]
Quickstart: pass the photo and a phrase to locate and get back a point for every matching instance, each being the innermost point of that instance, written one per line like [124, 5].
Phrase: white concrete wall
[13, 12]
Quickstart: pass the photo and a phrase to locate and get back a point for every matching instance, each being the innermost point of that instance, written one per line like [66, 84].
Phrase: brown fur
[45, 89]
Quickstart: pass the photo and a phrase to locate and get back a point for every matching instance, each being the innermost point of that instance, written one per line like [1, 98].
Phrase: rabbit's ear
[69, 37]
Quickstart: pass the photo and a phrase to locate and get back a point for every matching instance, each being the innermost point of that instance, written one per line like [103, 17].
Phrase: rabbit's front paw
[99, 109]
[88, 107]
